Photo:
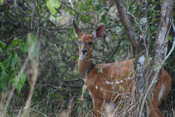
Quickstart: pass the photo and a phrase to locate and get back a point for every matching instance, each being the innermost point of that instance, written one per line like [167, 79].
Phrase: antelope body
[106, 83]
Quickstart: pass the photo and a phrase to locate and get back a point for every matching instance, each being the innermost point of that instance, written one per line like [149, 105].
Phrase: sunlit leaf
[24, 47]
[1, 2]
[2, 44]
[16, 42]
[20, 81]
[53, 5]
[14, 61]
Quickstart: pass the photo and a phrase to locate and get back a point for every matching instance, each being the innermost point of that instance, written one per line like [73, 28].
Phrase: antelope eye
[90, 43]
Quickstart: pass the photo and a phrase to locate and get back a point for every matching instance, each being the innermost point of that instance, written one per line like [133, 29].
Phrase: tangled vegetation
[39, 51]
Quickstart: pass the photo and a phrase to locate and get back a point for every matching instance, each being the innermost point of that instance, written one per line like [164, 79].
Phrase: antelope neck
[85, 66]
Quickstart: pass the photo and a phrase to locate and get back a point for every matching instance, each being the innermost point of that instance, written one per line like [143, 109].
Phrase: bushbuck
[107, 82]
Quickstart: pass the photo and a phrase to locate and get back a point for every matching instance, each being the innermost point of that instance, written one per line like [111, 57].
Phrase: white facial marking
[81, 57]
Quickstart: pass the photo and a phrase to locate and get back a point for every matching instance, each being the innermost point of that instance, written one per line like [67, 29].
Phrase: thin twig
[13, 89]
[166, 10]
[127, 24]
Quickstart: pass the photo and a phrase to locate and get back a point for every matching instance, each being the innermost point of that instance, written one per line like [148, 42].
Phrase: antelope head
[86, 40]
[85, 47]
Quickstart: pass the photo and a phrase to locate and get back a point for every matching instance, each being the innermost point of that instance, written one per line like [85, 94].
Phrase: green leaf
[15, 60]
[20, 81]
[2, 44]
[53, 5]
[3, 79]
[16, 42]
[1, 2]
[24, 47]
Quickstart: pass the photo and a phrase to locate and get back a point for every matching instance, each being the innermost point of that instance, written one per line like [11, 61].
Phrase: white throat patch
[82, 56]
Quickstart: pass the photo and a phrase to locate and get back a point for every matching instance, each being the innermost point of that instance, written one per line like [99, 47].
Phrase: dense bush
[50, 23]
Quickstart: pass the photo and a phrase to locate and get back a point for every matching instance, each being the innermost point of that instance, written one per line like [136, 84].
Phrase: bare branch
[127, 24]
[161, 42]
[160, 47]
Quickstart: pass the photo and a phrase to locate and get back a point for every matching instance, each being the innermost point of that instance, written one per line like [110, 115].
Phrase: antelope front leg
[97, 107]
[154, 111]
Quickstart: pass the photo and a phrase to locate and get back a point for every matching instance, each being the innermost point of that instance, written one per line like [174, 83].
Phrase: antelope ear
[77, 30]
[100, 31]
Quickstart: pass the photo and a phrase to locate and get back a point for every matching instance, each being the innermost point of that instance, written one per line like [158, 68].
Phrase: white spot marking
[109, 83]
[121, 81]
[96, 87]
[129, 78]
[118, 81]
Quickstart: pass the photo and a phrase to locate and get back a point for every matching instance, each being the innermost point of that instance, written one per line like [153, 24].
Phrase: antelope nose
[84, 51]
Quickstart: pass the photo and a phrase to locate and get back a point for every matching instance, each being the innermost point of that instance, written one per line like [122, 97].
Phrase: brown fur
[107, 82]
